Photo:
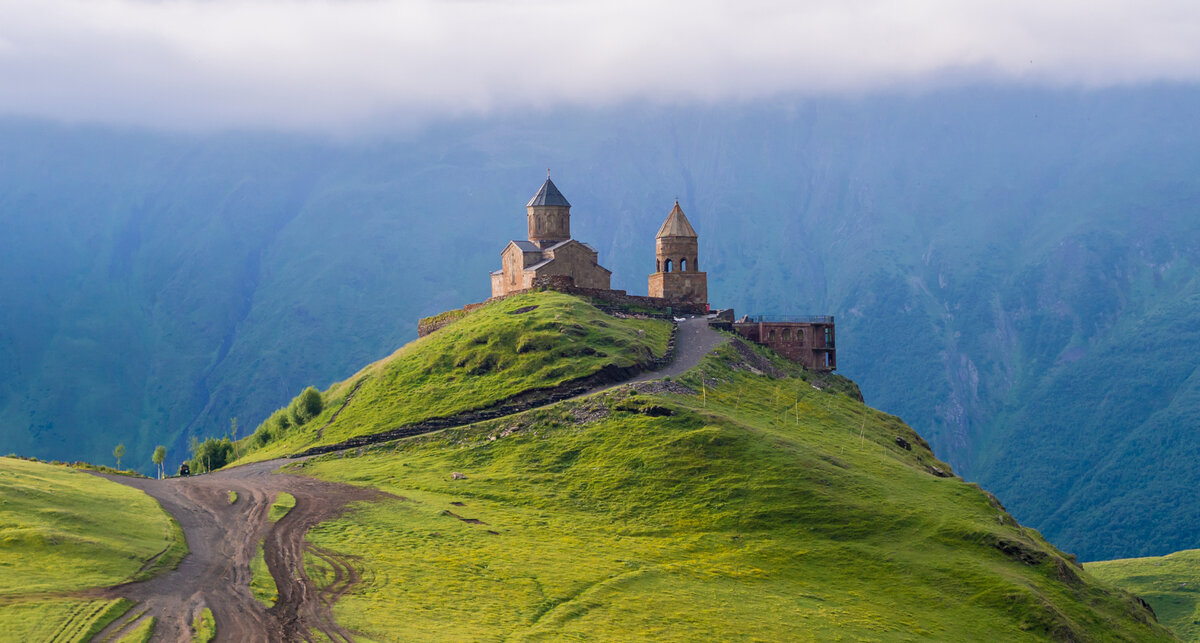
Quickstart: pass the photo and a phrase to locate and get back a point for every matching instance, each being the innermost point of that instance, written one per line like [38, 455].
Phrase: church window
[683, 265]
[695, 265]
[667, 266]
[657, 266]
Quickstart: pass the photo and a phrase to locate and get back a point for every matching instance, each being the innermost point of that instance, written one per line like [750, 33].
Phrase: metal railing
[793, 319]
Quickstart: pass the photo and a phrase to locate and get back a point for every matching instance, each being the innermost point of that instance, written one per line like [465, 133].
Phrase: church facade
[549, 250]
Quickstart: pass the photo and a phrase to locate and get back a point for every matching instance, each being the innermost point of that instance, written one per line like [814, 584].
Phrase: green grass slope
[508, 347]
[727, 505]
[62, 531]
[1171, 584]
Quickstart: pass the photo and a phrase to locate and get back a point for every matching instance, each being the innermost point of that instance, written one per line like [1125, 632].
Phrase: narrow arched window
[683, 265]
[667, 266]
[695, 265]
[657, 266]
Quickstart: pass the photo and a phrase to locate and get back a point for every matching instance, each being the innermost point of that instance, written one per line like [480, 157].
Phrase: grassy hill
[513, 346]
[63, 531]
[747, 500]
[1171, 584]
[1028, 257]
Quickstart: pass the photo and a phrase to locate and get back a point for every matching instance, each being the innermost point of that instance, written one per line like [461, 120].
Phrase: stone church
[550, 251]
[550, 257]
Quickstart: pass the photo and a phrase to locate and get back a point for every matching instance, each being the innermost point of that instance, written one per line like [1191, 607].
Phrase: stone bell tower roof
[548, 195]
[676, 224]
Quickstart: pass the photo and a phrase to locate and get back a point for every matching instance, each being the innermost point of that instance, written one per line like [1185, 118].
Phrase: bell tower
[549, 215]
[677, 275]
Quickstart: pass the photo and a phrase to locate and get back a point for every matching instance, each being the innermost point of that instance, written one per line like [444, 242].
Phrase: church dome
[548, 194]
[676, 225]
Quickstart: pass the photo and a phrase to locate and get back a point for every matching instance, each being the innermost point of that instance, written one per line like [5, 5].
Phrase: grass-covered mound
[728, 505]
[62, 531]
[508, 347]
[1171, 584]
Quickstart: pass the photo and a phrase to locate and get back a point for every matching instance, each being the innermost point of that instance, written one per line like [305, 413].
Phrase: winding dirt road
[223, 538]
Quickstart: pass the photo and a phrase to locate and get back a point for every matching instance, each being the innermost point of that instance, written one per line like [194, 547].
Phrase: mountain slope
[728, 504]
[1169, 583]
[990, 245]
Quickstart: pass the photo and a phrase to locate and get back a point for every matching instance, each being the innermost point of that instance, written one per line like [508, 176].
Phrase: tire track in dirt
[223, 538]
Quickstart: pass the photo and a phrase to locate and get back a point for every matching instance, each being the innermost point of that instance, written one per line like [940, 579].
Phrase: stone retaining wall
[606, 300]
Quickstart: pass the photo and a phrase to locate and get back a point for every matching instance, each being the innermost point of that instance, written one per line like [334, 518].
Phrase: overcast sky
[312, 64]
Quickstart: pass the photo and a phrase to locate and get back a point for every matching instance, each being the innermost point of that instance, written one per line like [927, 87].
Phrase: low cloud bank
[313, 64]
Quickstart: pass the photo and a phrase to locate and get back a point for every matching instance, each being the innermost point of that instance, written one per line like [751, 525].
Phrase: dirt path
[693, 340]
[223, 538]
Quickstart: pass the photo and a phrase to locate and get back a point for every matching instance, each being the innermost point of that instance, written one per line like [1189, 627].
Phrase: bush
[306, 406]
[262, 435]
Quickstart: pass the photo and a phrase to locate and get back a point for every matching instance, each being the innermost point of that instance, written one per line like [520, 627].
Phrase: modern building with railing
[807, 339]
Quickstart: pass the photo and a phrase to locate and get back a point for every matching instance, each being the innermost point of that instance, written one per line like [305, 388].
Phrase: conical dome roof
[676, 225]
[548, 195]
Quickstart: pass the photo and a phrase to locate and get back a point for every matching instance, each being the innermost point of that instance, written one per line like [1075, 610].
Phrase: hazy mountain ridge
[983, 250]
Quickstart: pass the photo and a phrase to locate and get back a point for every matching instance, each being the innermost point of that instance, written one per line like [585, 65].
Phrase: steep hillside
[1171, 584]
[996, 246]
[518, 345]
[63, 531]
[747, 500]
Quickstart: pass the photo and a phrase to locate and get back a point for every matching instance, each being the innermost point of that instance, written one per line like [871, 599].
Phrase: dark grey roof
[526, 246]
[548, 195]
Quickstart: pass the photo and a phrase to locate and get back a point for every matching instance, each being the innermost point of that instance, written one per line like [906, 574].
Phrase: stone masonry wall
[565, 284]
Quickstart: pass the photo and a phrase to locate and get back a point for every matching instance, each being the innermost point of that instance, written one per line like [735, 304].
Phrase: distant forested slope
[1014, 272]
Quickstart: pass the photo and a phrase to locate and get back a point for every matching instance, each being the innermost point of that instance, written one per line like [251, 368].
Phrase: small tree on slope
[160, 454]
[118, 452]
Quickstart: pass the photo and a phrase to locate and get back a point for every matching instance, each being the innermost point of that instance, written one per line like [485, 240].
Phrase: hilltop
[743, 499]
[746, 498]
[517, 346]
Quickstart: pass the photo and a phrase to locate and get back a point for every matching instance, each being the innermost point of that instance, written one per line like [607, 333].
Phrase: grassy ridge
[62, 531]
[487, 356]
[739, 507]
[1171, 584]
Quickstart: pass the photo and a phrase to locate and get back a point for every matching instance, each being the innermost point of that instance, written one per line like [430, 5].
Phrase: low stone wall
[566, 285]
[609, 301]
[429, 324]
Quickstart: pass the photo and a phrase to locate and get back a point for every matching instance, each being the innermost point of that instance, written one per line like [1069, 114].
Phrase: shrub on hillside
[306, 406]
